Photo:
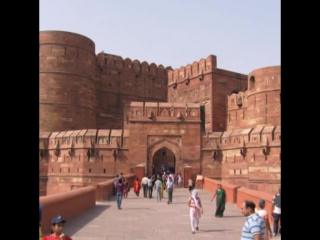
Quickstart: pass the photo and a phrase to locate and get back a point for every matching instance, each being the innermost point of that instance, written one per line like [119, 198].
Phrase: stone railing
[67, 204]
[211, 185]
[105, 189]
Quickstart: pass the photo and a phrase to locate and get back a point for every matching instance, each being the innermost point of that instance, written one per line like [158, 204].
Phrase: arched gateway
[164, 146]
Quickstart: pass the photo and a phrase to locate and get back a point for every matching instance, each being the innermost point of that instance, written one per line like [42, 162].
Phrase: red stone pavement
[144, 218]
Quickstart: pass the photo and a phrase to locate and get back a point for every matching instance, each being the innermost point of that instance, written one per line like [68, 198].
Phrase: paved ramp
[143, 218]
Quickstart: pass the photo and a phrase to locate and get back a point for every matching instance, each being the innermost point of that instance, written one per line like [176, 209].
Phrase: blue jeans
[158, 195]
[119, 199]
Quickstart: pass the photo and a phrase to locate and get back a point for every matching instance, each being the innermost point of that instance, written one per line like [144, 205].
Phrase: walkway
[144, 218]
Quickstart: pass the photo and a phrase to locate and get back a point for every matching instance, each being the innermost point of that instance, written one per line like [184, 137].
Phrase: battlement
[194, 70]
[83, 139]
[144, 68]
[159, 111]
[242, 138]
[237, 100]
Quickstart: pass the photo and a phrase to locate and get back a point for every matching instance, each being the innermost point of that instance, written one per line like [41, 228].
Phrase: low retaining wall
[211, 185]
[237, 194]
[105, 189]
[252, 195]
[68, 205]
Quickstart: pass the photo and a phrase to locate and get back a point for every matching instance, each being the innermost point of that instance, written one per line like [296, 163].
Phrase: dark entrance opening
[164, 160]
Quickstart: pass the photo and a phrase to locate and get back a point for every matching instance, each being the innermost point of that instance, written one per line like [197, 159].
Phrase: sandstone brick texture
[101, 115]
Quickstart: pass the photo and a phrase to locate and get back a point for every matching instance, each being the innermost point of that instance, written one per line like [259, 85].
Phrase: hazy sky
[243, 34]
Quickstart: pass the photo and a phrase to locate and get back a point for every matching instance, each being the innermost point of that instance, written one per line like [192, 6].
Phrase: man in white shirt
[157, 187]
[144, 185]
[169, 186]
[150, 186]
[276, 213]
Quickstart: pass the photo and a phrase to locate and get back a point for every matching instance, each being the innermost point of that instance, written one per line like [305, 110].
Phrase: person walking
[254, 226]
[163, 187]
[115, 180]
[196, 210]
[220, 201]
[264, 214]
[125, 188]
[276, 213]
[136, 187]
[190, 184]
[179, 180]
[169, 187]
[164, 177]
[119, 187]
[144, 185]
[157, 187]
[150, 186]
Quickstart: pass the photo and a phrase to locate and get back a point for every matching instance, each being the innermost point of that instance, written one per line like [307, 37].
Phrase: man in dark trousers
[276, 213]
[144, 185]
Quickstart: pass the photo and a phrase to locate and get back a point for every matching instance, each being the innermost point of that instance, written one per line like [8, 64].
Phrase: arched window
[251, 82]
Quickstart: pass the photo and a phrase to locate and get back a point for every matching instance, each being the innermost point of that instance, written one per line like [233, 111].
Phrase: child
[57, 230]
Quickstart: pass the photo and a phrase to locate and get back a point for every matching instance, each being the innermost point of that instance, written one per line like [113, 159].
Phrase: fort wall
[121, 81]
[66, 77]
[247, 157]
[101, 115]
[260, 105]
[203, 83]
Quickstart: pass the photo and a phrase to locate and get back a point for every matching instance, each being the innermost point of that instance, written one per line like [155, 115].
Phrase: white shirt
[144, 180]
[261, 212]
[169, 184]
[276, 209]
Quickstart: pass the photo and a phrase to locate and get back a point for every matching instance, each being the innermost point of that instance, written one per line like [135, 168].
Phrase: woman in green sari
[220, 201]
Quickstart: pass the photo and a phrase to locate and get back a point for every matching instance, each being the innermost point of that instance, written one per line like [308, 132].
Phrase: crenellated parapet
[144, 68]
[157, 111]
[196, 70]
[43, 145]
[121, 81]
[263, 136]
[82, 139]
[250, 157]
[237, 101]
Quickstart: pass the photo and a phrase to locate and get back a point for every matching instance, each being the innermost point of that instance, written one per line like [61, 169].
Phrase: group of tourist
[256, 227]
[196, 209]
[257, 224]
[157, 182]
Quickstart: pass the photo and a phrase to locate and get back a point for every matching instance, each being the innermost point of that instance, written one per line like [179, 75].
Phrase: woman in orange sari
[136, 187]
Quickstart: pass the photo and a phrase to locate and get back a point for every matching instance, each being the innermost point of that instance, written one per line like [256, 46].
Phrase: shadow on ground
[212, 230]
[75, 224]
[233, 217]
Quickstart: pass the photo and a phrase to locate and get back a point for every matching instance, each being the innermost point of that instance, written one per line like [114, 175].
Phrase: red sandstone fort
[101, 115]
